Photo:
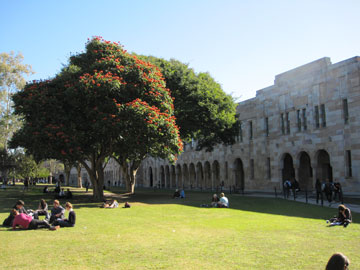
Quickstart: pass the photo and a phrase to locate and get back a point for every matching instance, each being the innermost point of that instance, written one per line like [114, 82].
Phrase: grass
[158, 232]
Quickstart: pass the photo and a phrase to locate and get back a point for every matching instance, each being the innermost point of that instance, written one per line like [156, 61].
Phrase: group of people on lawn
[59, 192]
[331, 189]
[29, 219]
[222, 202]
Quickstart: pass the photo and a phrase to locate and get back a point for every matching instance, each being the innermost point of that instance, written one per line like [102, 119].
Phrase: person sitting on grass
[70, 221]
[224, 202]
[182, 194]
[62, 193]
[68, 194]
[344, 217]
[214, 200]
[176, 194]
[110, 204]
[338, 261]
[57, 212]
[19, 206]
[46, 189]
[27, 222]
[42, 210]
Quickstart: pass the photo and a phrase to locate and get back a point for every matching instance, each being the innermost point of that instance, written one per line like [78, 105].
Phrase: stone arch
[199, 175]
[324, 168]
[179, 182]
[151, 177]
[162, 177]
[167, 176]
[216, 174]
[288, 171]
[185, 176]
[305, 171]
[207, 175]
[192, 175]
[239, 174]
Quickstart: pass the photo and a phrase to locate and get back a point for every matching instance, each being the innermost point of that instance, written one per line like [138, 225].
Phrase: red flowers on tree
[107, 102]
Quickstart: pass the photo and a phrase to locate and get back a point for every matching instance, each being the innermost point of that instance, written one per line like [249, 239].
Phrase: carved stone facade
[305, 126]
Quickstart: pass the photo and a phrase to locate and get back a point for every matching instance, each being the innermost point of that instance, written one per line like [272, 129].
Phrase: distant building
[305, 126]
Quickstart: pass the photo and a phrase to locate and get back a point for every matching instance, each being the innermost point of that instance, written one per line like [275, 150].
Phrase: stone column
[176, 178]
[212, 177]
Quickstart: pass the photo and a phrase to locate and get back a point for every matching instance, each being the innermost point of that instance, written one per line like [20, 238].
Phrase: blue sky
[243, 44]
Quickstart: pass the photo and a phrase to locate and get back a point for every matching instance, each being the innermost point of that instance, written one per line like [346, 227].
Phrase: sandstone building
[305, 126]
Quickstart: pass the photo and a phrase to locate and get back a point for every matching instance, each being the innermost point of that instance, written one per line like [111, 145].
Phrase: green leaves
[203, 111]
[12, 71]
[105, 102]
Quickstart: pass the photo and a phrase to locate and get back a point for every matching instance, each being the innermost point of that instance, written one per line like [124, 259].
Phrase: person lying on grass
[27, 222]
[70, 221]
[110, 204]
[19, 206]
[344, 217]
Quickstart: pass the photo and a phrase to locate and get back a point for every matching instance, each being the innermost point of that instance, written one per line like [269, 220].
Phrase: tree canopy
[105, 102]
[12, 72]
[203, 110]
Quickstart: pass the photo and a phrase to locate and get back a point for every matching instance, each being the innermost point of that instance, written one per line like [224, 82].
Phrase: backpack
[8, 221]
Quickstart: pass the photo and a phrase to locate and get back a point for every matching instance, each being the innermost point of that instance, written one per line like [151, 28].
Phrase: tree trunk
[79, 180]
[129, 171]
[67, 176]
[96, 173]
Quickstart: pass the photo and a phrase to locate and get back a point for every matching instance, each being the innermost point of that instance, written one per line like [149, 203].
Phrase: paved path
[302, 199]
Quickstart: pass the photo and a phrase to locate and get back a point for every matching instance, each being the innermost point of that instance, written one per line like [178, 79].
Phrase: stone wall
[297, 128]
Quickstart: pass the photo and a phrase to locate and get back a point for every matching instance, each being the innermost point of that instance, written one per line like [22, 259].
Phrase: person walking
[318, 189]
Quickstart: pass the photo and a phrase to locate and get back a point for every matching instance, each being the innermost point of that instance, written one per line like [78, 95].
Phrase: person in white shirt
[224, 202]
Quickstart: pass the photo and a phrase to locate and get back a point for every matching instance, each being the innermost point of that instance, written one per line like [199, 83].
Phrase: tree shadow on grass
[274, 206]
[158, 197]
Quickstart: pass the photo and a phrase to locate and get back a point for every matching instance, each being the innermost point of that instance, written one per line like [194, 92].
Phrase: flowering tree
[105, 103]
[203, 110]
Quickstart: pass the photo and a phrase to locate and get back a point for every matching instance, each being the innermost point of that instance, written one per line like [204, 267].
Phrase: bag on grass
[8, 221]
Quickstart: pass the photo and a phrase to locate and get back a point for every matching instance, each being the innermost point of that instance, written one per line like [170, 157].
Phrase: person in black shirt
[214, 201]
[176, 194]
[68, 194]
[70, 221]
[318, 189]
[337, 191]
[328, 191]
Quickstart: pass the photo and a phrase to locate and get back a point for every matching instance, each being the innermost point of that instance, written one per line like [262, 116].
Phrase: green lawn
[158, 232]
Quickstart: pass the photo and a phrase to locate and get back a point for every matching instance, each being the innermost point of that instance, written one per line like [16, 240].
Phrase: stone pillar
[165, 178]
[176, 178]
[197, 177]
[212, 177]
